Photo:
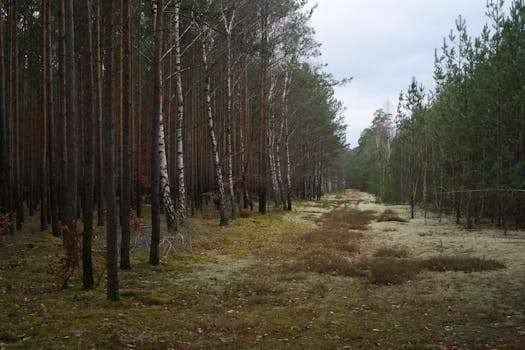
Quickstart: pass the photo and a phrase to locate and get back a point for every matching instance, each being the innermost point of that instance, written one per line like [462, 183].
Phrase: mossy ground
[300, 280]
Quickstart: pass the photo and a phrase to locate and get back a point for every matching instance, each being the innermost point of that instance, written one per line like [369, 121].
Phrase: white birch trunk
[180, 117]
[215, 153]
[278, 165]
[165, 190]
[271, 149]
[288, 166]
[228, 26]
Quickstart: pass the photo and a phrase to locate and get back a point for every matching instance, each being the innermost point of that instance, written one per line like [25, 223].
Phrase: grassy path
[327, 276]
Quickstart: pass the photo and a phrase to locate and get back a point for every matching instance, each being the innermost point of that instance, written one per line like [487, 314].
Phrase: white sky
[382, 44]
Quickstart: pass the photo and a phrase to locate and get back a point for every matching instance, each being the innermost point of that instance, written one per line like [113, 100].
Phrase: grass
[391, 252]
[445, 263]
[260, 283]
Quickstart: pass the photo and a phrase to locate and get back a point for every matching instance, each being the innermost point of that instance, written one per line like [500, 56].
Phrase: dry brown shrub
[390, 271]
[392, 252]
[332, 237]
[325, 262]
[444, 263]
[390, 215]
[349, 218]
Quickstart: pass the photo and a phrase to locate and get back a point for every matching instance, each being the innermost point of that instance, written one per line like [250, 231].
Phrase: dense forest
[107, 106]
[458, 149]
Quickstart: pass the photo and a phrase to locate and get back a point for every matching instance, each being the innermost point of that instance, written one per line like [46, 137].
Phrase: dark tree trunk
[70, 202]
[98, 86]
[4, 132]
[109, 156]
[89, 136]
[43, 112]
[52, 148]
[126, 140]
[62, 132]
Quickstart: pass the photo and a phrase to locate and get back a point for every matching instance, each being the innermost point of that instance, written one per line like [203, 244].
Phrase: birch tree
[180, 114]
[206, 42]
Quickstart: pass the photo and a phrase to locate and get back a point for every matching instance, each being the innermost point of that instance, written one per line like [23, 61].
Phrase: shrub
[461, 263]
[390, 271]
[391, 252]
[390, 215]
[245, 213]
[325, 262]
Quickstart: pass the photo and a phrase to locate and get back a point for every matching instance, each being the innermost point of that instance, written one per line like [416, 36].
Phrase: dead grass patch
[444, 263]
[392, 252]
[389, 271]
[325, 262]
[333, 238]
[349, 218]
[390, 215]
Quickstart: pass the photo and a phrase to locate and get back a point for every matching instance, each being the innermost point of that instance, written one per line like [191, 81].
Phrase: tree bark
[52, 144]
[98, 87]
[180, 117]
[43, 112]
[126, 173]
[228, 26]
[89, 149]
[62, 131]
[70, 203]
[4, 132]
[211, 131]
[155, 129]
[109, 156]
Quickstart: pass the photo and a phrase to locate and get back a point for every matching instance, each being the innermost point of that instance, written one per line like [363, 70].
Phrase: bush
[390, 215]
[325, 262]
[245, 213]
[390, 271]
[461, 263]
[391, 252]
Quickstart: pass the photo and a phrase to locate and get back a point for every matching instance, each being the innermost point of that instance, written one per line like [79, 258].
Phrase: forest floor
[342, 273]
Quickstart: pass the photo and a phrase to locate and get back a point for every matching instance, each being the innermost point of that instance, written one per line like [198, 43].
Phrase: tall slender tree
[89, 148]
[155, 129]
[109, 155]
[126, 172]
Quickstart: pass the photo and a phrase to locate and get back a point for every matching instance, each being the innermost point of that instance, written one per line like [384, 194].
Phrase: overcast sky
[382, 44]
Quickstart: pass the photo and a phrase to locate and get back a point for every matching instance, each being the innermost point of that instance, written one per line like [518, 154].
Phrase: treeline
[106, 105]
[461, 148]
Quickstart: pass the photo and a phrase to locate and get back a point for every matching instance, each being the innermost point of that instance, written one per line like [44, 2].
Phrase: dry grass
[325, 262]
[390, 215]
[390, 271]
[460, 263]
[392, 252]
[349, 218]
[333, 238]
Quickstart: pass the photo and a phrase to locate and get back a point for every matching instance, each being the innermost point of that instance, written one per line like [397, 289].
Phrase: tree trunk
[52, 145]
[126, 173]
[43, 112]
[4, 132]
[228, 26]
[109, 156]
[70, 203]
[165, 190]
[180, 116]
[155, 130]
[89, 149]
[288, 165]
[98, 87]
[264, 108]
[62, 132]
[211, 130]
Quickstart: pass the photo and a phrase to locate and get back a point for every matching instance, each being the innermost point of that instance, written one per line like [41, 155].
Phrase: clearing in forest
[342, 273]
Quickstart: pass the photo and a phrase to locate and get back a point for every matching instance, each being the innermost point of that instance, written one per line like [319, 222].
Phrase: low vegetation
[265, 282]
